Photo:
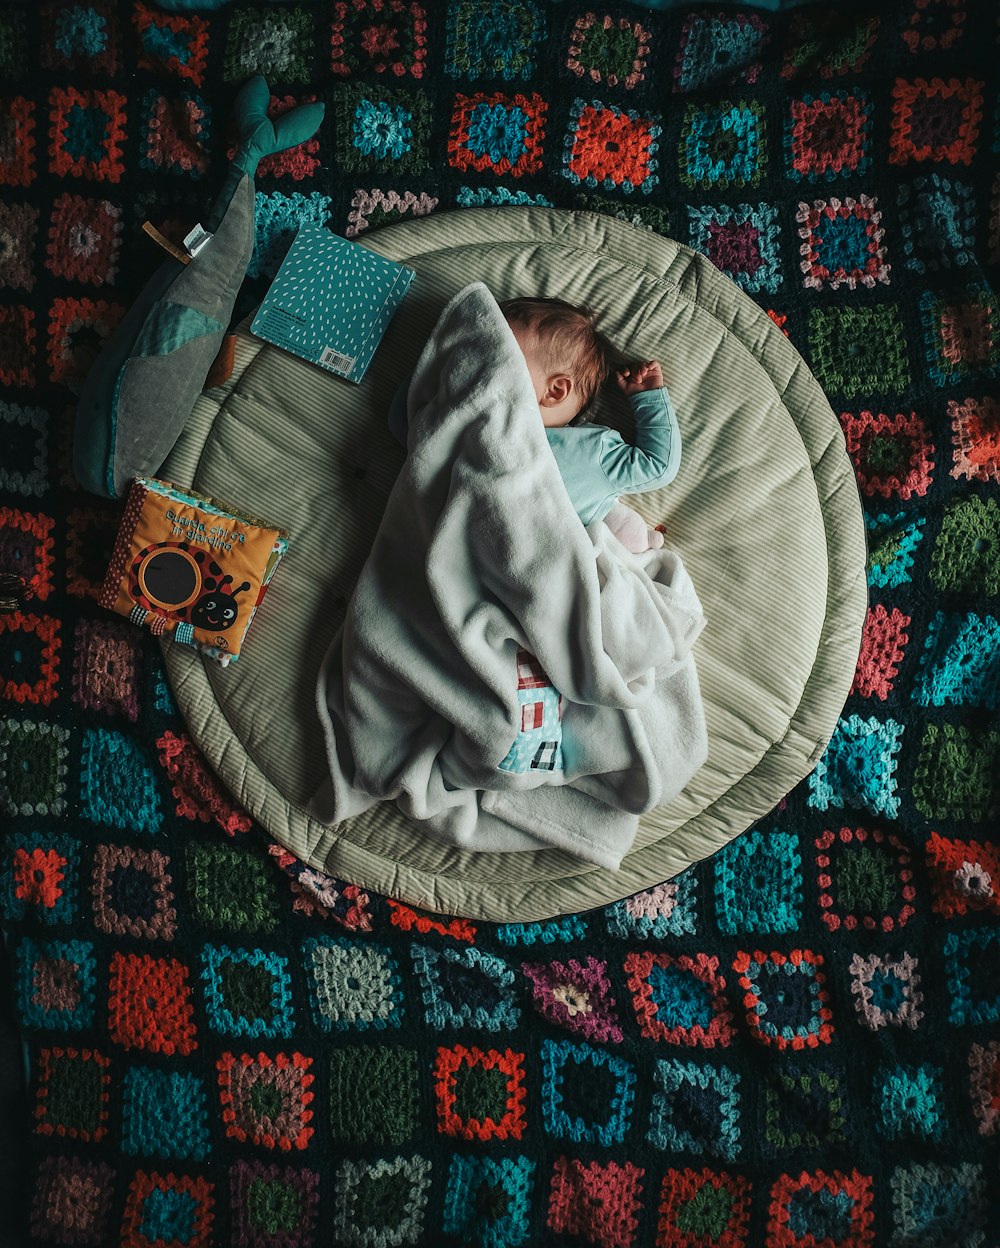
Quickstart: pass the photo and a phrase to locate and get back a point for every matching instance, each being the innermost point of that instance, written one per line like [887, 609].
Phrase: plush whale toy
[140, 391]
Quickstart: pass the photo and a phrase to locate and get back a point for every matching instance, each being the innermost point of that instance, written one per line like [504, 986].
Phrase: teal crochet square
[961, 662]
[723, 145]
[247, 992]
[374, 1095]
[169, 1215]
[717, 48]
[277, 217]
[858, 768]
[383, 129]
[696, 1109]
[742, 241]
[493, 38]
[353, 986]
[666, 910]
[587, 1093]
[892, 542]
[466, 988]
[937, 224]
[469, 197]
[165, 1114]
[972, 969]
[566, 928]
[758, 883]
[488, 1200]
[910, 1102]
[56, 984]
[858, 352]
[118, 784]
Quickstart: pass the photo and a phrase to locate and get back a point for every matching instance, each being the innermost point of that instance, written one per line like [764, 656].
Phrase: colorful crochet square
[409, 919]
[680, 998]
[703, 1207]
[984, 1085]
[886, 991]
[966, 557]
[930, 29]
[17, 141]
[84, 239]
[859, 351]
[467, 197]
[501, 134]
[817, 1207]
[81, 36]
[150, 1005]
[937, 224]
[804, 1109]
[717, 48]
[230, 889]
[17, 345]
[828, 136]
[33, 768]
[374, 1096]
[374, 208]
[382, 129]
[175, 133]
[354, 986]
[935, 1204]
[26, 544]
[247, 992]
[87, 131]
[72, 1201]
[493, 38]
[645, 216]
[742, 241]
[380, 1202]
[882, 644]
[587, 1093]
[479, 1094]
[892, 541]
[72, 1094]
[935, 120]
[784, 998]
[568, 928]
[958, 773]
[842, 243]
[723, 145]
[118, 785]
[297, 162]
[576, 996]
[18, 227]
[387, 36]
[78, 329]
[277, 217]
[29, 659]
[758, 883]
[106, 668]
[829, 44]
[273, 1206]
[865, 880]
[170, 44]
[975, 431]
[163, 1211]
[39, 877]
[165, 1114]
[893, 455]
[132, 893]
[964, 876]
[277, 43]
[910, 1102]
[696, 1109]
[608, 51]
[961, 662]
[961, 335]
[487, 1200]
[90, 539]
[197, 790]
[465, 988]
[667, 909]
[611, 147]
[971, 960]
[56, 984]
[858, 767]
[265, 1100]
[25, 433]
[597, 1201]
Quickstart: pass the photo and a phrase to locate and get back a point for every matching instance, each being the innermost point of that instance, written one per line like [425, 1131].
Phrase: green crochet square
[966, 555]
[958, 773]
[73, 1094]
[277, 43]
[804, 1109]
[230, 889]
[646, 216]
[33, 767]
[858, 352]
[373, 1095]
[382, 129]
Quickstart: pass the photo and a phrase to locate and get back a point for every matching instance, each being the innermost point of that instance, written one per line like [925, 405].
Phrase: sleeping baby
[568, 361]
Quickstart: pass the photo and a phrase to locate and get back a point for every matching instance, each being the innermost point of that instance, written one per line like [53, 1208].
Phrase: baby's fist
[647, 375]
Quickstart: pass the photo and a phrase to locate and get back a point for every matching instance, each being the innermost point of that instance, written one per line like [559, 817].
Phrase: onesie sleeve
[654, 458]
[397, 420]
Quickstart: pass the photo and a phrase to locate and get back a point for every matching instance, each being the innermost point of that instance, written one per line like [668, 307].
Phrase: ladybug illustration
[178, 581]
[218, 608]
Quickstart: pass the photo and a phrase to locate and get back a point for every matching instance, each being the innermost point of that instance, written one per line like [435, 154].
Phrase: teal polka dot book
[331, 301]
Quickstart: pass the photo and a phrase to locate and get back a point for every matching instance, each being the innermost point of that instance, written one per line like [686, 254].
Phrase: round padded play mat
[764, 512]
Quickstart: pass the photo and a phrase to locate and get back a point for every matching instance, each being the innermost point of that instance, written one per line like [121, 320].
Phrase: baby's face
[555, 390]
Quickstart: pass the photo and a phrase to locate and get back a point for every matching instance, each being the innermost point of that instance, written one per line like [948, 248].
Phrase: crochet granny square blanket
[793, 1044]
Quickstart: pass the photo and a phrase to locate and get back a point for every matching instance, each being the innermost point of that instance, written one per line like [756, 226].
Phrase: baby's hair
[571, 337]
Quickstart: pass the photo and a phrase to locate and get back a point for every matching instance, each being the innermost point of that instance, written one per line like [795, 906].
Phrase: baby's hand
[647, 375]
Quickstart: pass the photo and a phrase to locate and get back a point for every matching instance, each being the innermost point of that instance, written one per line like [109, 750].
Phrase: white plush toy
[631, 530]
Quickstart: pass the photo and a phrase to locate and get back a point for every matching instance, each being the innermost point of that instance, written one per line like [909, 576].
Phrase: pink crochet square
[882, 645]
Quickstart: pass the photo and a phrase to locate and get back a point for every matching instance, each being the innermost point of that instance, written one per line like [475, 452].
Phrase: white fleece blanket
[511, 679]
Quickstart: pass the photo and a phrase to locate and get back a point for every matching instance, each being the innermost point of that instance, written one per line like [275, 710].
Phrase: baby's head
[567, 357]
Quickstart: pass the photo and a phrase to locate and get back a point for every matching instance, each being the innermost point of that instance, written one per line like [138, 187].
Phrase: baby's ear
[558, 388]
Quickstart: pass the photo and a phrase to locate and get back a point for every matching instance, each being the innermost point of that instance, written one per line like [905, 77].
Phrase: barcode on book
[336, 359]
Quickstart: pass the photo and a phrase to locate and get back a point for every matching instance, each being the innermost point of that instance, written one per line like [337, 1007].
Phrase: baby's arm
[655, 457]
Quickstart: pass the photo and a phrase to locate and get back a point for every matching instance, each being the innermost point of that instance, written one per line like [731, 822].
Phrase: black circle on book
[170, 578]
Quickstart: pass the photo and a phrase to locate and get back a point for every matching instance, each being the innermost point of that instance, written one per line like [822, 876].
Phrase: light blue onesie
[595, 462]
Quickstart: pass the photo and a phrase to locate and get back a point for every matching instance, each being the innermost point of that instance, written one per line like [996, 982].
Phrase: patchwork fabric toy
[140, 391]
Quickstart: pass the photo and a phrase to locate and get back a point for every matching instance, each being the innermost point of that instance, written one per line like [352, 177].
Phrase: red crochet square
[975, 425]
[459, 1111]
[175, 133]
[692, 977]
[497, 133]
[37, 681]
[78, 329]
[688, 1198]
[150, 1005]
[865, 880]
[171, 44]
[829, 136]
[26, 544]
[197, 790]
[935, 120]
[73, 1094]
[17, 345]
[387, 36]
[84, 239]
[964, 875]
[855, 1186]
[137, 1219]
[611, 147]
[598, 1202]
[87, 133]
[882, 644]
[265, 1100]
[893, 455]
[17, 142]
